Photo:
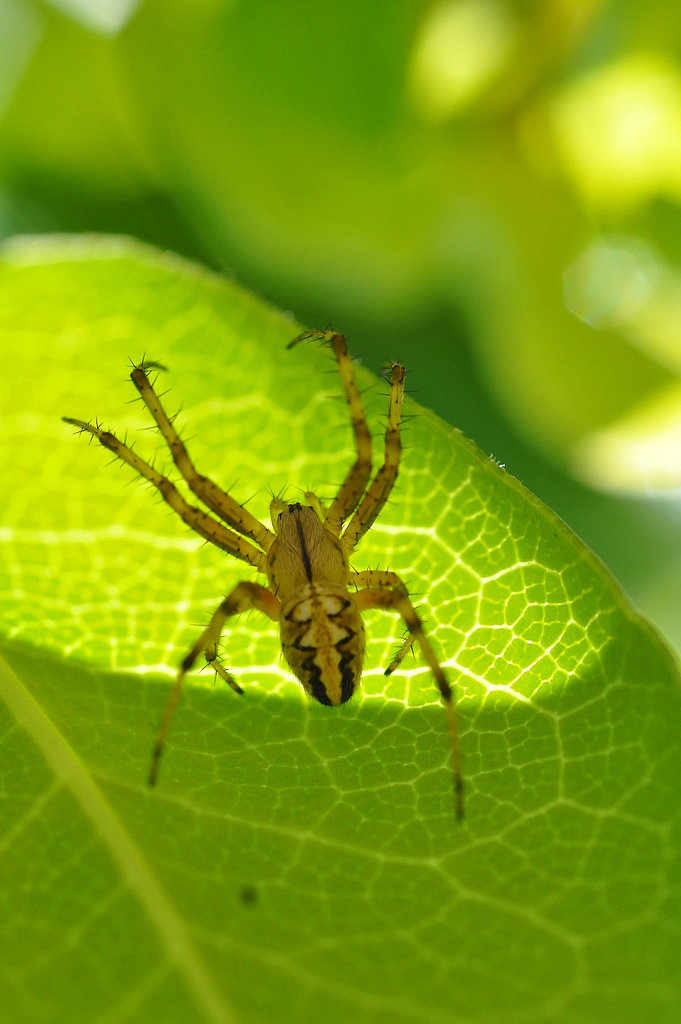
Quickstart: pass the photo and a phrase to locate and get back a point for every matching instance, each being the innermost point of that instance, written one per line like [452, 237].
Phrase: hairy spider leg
[244, 596]
[382, 484]
[217, 500]
[357, 477]
[200, 521]
[386, 590]
[391, 581]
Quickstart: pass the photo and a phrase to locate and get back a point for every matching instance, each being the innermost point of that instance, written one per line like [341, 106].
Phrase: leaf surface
[297, 861]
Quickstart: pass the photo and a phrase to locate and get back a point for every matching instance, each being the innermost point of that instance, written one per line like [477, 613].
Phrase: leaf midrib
[70, 772]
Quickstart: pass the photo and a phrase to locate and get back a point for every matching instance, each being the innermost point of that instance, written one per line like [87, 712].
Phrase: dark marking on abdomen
[314, 681]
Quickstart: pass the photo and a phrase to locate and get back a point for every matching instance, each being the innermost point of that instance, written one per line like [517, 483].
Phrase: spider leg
[382, 484]
[199, 521]
[217, 500]
[357, 477]
[400, 654]
[386, 590]
[245, 595]
[389, 580]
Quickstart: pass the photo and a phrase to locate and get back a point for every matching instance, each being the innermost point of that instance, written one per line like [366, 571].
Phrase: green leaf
[298, 862]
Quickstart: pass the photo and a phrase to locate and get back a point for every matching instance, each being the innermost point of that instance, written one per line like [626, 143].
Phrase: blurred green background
[489, 191]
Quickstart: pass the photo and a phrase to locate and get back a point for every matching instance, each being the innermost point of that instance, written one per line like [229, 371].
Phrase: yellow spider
[312, 592]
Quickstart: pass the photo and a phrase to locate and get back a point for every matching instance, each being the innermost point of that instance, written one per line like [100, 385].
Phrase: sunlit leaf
[298, 862]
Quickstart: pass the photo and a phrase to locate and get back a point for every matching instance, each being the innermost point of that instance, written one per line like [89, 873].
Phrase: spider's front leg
[357, 477]
[245, 595]
[198, 520]
[217, 500]
[382, 484]
[386, 590]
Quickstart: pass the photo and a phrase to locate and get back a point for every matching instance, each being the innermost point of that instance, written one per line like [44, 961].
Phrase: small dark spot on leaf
[248, 894]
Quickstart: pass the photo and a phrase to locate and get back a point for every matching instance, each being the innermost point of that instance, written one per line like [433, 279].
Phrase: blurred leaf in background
[490, 186]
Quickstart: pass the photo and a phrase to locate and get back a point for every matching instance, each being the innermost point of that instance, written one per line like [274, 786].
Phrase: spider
[311, 592]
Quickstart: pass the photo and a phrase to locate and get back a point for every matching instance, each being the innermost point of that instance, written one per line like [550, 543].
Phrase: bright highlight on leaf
[372, 903]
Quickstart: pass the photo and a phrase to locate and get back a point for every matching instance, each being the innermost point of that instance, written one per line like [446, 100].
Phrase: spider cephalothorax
[312, 593]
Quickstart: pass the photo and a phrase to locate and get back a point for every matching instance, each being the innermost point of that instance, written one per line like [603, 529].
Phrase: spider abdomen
[322, 637]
